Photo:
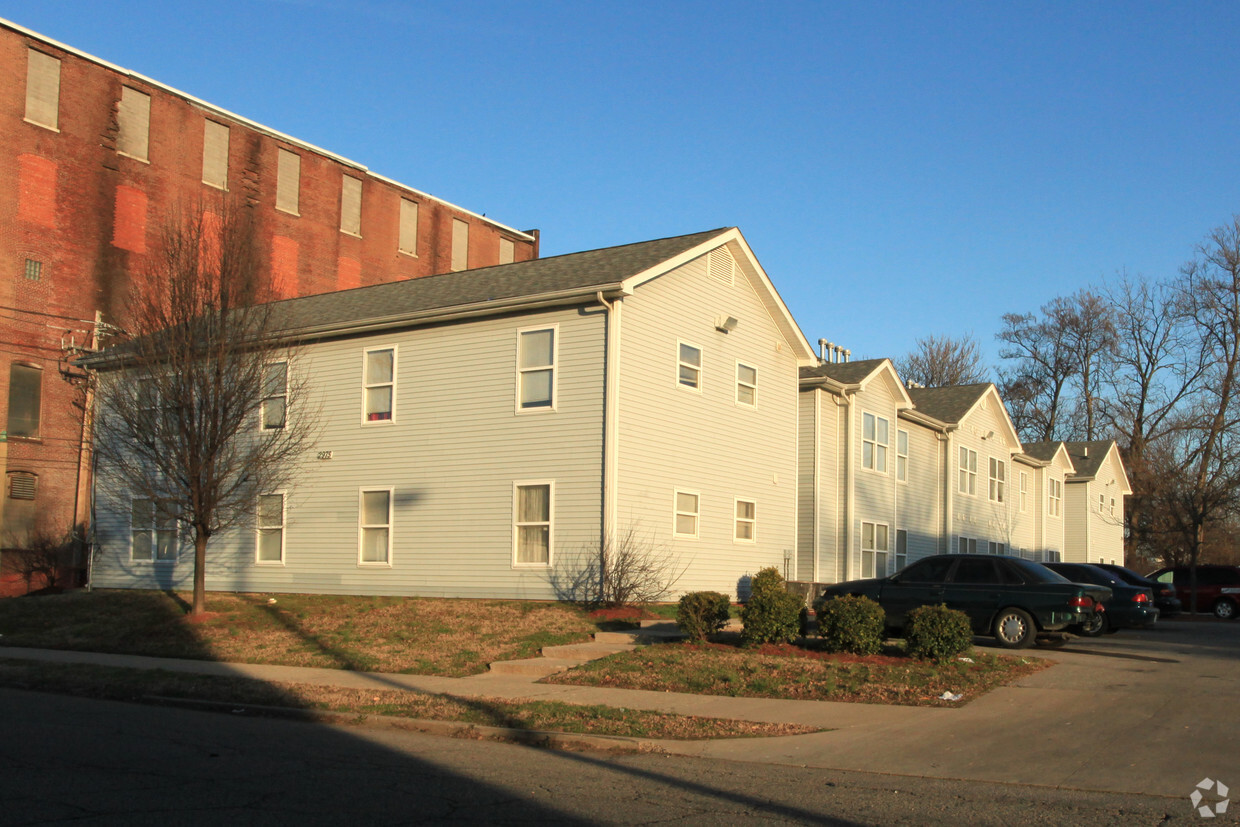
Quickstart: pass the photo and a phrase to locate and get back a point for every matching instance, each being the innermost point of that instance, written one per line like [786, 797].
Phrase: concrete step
[638, 637]
[534, 667]
[586, 651]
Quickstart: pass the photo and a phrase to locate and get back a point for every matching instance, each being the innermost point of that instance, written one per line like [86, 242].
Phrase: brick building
[93, 162]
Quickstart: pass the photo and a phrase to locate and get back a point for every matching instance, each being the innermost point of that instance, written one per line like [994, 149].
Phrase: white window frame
[872, 554]
[517, 524]
[366, 386]
[742, 386]
[966, 545]
[153, 532]
[900, 556]
[362, 526]
[901, 456]
[262, 407]
[681, 363]
[677, 513]
[966, 461]
[738, 521]
[996, 480]
[259, 528]
[1024, 491]
[1102, 502]
[878, 449]
[1112, 506]
[995, 547]
[553, 367]
[1054, 490]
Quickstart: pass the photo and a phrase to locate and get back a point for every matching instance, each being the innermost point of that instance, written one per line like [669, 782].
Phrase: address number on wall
[325, 454]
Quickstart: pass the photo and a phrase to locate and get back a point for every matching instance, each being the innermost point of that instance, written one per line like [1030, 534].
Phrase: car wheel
[1096, 625]
[1224, 608]
[1014, 629]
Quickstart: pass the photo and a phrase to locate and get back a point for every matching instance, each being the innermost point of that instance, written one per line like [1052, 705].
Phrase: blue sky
[900, 169]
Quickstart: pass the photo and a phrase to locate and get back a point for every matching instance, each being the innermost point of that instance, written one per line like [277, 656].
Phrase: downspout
[948, 492]
[611, 418]
[849, 487]
[816, 530]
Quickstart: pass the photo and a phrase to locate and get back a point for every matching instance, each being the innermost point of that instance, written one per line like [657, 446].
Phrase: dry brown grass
[379, 634]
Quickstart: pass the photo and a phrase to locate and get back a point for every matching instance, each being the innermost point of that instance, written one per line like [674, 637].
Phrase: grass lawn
[543, 716]
[423, 636]
[800, 673]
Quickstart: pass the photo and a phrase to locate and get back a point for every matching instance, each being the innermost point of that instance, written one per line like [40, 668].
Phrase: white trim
[737, 521]
[695, 388]
[366, 420]
[752, 386]
[963, 544]
[517, 525]
[259, 528]
[676, 513]
[361, 526]
[554, 367]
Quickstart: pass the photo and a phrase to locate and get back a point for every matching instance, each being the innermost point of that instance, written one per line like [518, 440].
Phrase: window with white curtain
[532, 523]
[375, 527]
[379, 384]
[270, 529]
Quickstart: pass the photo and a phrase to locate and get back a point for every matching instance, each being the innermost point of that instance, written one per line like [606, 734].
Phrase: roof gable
[858, 376]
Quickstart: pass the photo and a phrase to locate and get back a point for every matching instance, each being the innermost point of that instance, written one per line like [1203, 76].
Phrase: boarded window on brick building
[408, 242]
[133, 117]
[25, 398]
[43, 89]
[215, 154]
[350, 205]
[507, 251]
[288, 181]
[460, 244]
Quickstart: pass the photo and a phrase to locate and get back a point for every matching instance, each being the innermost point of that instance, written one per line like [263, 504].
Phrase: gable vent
[22, 486]
[722, 266]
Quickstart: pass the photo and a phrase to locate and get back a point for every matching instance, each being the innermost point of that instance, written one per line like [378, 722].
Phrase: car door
[920, 584]
[975, 588]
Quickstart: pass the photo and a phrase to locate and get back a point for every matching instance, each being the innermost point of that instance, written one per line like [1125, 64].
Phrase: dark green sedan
[1012, 599]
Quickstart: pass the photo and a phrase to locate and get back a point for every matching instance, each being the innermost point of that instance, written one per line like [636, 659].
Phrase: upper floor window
[270, 539]
[536, 368]
[1102, 502]
[275, 395]
[689, 367]
[532, 523]
[133, 117]
[350, 205]
[746, 527]
[507, 251]
[288, 181]
[42, 89]
[153, 531]
[1024, 491]
[968, 471]
[215, 154]
[875, 440]
[408, 234]
[1054, 488]
[379, 384]
[746, 385]
[902, 455]
[998, 479]
[460, 245]
[25, 400]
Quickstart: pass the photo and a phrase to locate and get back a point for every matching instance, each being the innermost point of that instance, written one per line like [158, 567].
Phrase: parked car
[1218, 587]
[1129, 605]
[1012, 599]
[1164, 593]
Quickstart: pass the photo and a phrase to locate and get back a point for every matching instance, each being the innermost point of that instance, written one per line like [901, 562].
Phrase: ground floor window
[995, 548]
[874, 549]
[746, 521]
[270, 529]
[901, 549]
[153, 531]
[966, 545]
[532, 510]
[375, 527]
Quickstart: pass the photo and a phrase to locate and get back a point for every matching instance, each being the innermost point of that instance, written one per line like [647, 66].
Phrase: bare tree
[939, 361]
[1035, 382]
[200, 411]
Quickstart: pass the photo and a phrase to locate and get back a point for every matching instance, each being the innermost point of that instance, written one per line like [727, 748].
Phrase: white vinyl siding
[269, 533]
[689, 366]
[746, 385]
[288, 181]
[745, 529]
[533, 509]
[42, 89]
[408, 232]
[379, 384]
[133, 116]
[215, 154]
[460, 245]
[375, 527]
[687, 506]
[536, 369]
[350, 205]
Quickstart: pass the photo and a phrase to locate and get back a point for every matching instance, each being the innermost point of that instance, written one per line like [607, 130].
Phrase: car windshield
[1036, 572]
[1128, 576]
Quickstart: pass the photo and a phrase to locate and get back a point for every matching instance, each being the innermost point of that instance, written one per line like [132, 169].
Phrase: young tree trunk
[200, 573]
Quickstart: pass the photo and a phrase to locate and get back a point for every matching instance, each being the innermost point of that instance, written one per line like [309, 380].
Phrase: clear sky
[900, 169]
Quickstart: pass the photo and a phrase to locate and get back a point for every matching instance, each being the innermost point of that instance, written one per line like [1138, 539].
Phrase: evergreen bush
[937, 633]
[772, 614]
[851, 624]
[701, 614]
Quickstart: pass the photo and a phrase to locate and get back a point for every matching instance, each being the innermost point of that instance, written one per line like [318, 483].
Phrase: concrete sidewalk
[1143, 713]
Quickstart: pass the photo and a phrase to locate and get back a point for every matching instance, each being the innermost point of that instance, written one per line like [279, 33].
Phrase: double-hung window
[968, 471]
[689, 366]
[153, 532]
[901, 549]
[998, 479]
[275, 395]
[875, 440]
[687, 507]
[270, 526]
[746, 529]
[532, 523]
[966, 545]
[1054, 488]
[746, 385]
[375, 527]
[536, 369]
[995, 548]
[875, 546]
[1024, 491]
[902, 456]
[25, 398]
[379, 384]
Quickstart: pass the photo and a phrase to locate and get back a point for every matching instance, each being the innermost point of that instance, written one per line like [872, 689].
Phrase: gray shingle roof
[948, 404]
[1044, 451]
[1087, 457]
[591, 269]
[847, 373]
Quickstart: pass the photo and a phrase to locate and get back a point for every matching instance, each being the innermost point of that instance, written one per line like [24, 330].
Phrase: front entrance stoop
[561, 658]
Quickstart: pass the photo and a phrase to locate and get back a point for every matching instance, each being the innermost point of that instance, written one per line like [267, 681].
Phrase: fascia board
[914, 415]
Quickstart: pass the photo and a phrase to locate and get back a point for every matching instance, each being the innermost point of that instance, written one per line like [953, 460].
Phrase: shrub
[937, 633]
[768, 579]
[701, 614]
[851, 624]
[771, 616]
